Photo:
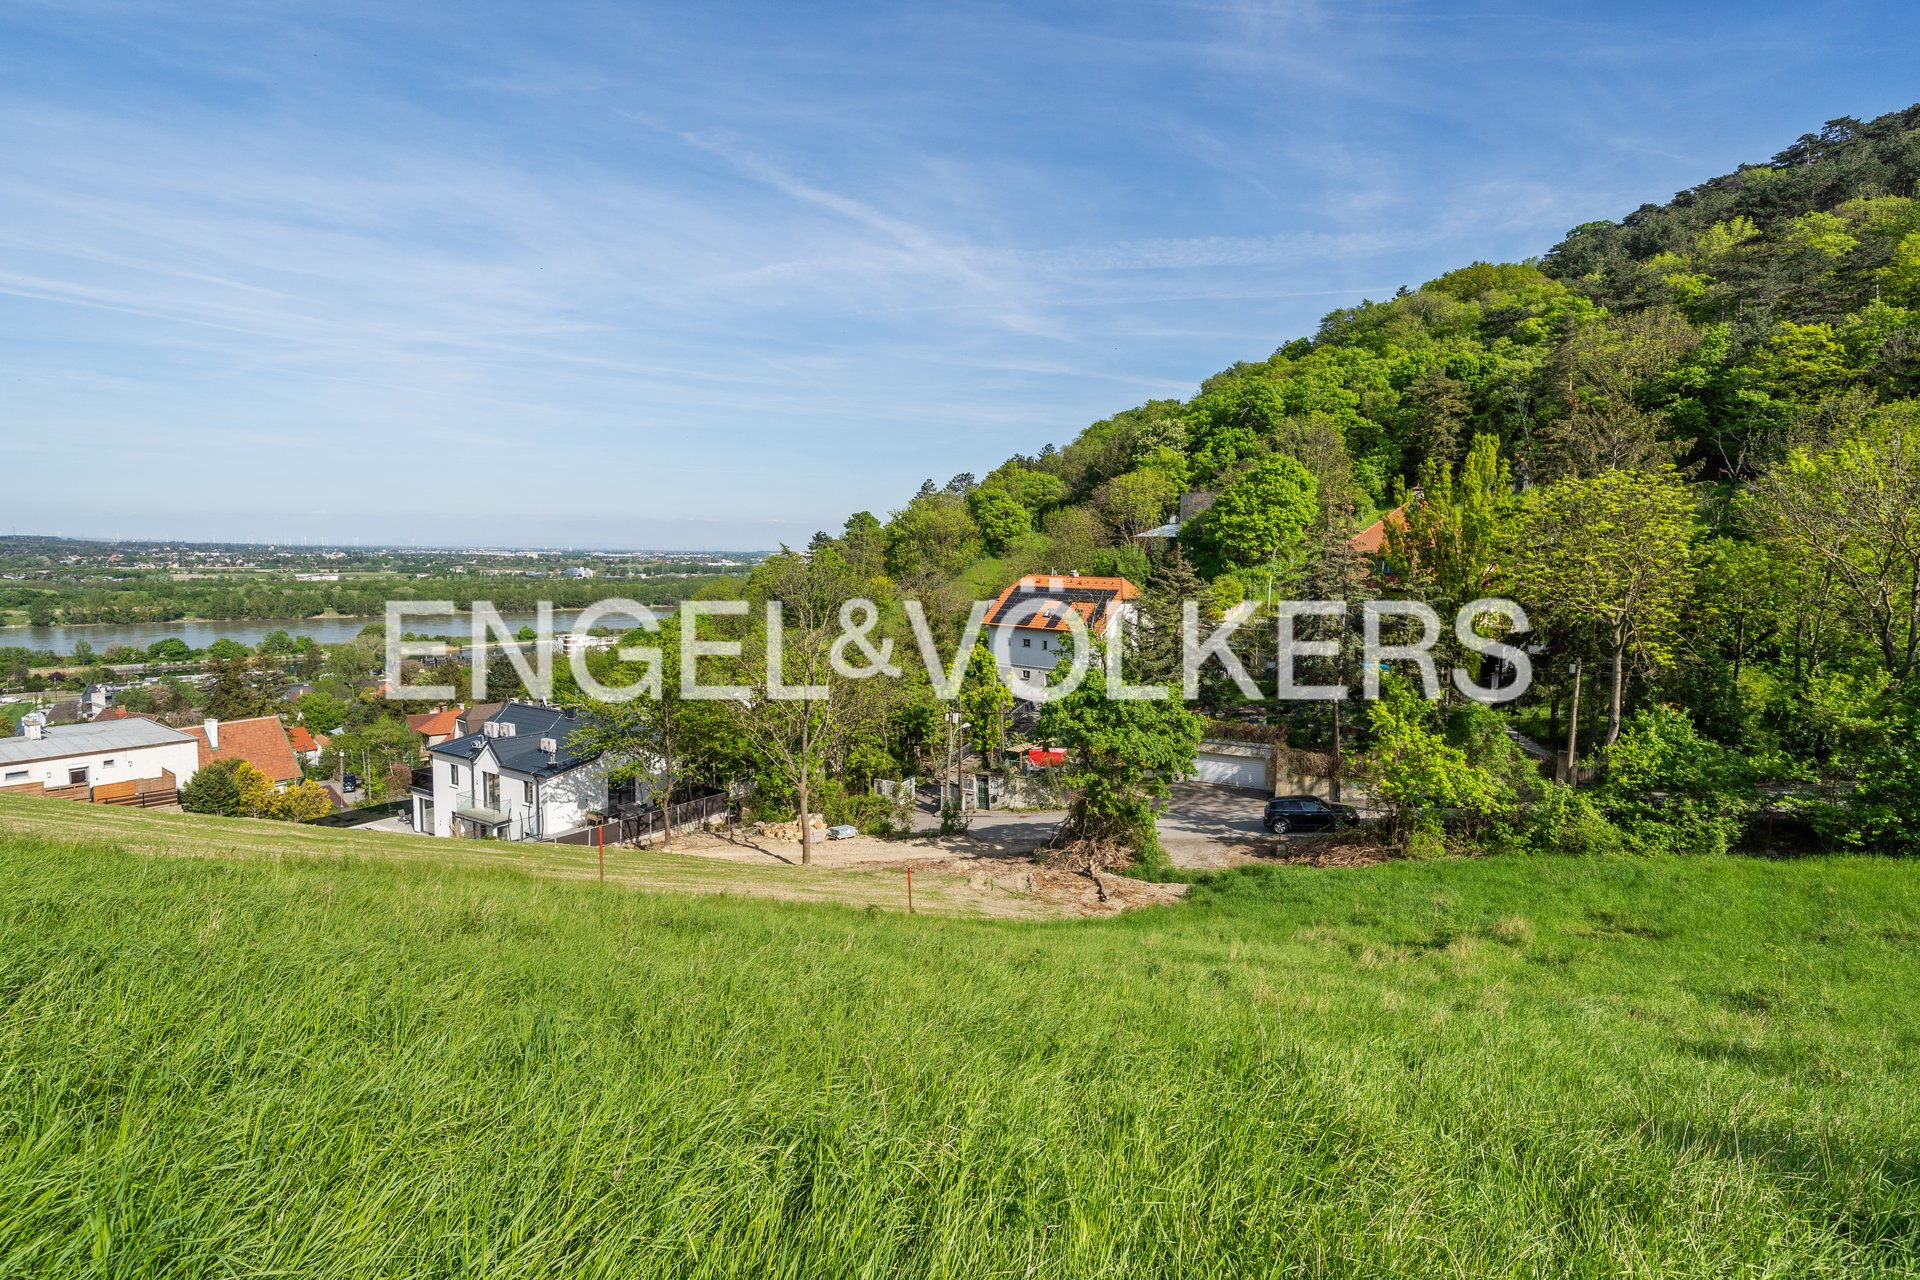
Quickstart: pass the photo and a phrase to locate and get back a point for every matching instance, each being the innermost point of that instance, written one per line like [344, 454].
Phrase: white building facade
[96, 754]
[1028, 628]
[517, 778]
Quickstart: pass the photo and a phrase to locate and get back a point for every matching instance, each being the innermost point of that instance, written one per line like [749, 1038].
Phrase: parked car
[350, 783]
[1308, 813]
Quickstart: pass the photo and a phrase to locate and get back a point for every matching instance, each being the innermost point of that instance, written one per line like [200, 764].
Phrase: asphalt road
[1202, 826]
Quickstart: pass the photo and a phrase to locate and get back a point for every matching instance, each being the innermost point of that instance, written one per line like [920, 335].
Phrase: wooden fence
[643, 824]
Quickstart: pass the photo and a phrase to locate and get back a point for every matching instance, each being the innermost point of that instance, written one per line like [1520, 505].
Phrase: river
[198, 635]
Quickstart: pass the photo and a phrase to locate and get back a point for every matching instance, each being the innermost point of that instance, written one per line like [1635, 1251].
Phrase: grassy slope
[192, 835]
[214, 1066]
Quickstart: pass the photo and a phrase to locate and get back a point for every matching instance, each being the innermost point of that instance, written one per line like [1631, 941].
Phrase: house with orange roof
[260, 741]
[1029, 625]
[435, 727]
[307, 745]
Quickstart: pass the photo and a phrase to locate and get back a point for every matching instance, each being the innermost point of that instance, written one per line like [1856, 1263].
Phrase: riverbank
[198, 633]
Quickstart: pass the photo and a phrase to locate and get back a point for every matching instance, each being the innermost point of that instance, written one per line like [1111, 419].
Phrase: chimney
[212, 729]
[33, 726]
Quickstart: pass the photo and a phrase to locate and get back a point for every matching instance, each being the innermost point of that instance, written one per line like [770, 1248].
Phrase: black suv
[1307, 813]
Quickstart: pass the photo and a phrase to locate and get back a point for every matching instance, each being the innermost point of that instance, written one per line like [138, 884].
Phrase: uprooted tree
[1121, 753]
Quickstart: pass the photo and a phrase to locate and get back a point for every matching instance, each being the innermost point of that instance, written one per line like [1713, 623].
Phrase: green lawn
[369, 1067]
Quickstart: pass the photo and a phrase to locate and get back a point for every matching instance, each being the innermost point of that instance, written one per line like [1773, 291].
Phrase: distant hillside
[1707, 329]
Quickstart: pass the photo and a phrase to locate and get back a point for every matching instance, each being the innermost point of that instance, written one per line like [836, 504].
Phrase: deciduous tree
[1614, 552]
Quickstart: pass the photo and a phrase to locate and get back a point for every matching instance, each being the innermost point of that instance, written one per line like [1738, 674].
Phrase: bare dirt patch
[996, 871]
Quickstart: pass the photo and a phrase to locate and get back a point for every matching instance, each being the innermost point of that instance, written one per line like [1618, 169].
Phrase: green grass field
[297, 1065]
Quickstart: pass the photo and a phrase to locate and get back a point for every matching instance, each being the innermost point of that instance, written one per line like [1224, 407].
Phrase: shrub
[212, 790]
[1882, 812]
[1670, 790]
[1562, 820]
[1420, 777]
[302, 802]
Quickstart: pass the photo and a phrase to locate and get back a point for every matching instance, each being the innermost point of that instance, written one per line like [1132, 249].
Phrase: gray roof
[84, 739]
[521, 751]
[478, 714]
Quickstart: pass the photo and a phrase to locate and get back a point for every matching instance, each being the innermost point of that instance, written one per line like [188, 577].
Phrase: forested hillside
[1688, 442]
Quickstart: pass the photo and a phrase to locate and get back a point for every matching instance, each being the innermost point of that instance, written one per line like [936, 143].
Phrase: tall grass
[1465, 1068]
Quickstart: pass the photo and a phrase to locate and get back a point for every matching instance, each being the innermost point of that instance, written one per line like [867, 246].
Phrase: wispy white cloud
[728, 266]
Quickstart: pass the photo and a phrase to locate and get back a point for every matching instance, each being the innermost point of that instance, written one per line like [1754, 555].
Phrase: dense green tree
[933, 537]
[212, 789]
[1612, 552]
[1852, 509]
[237, 688]
[1446, 542]
[321, 712]
[1121, 753]
[1256, 520]
[1131, 504]
[1417, 775]
[985, 704]
[1001, 518]
[1672, 791]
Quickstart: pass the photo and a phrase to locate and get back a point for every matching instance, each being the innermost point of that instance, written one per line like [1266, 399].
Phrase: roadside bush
[1562, 820]
[1881, 814]
[1424, 781]
[873, 814]
[302, 802]
[1669, 790]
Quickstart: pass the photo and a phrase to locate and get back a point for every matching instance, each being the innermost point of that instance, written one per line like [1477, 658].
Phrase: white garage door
[1233, 771]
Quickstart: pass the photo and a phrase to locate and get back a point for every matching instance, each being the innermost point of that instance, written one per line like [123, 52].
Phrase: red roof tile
[261, 741]
[304, 741]
[1372, 539]
[434, 724]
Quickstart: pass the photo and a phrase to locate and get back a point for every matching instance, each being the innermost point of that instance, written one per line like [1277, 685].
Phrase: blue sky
[716, 275]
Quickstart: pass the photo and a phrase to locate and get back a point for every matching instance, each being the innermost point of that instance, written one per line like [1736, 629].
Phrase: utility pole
[1573, 730]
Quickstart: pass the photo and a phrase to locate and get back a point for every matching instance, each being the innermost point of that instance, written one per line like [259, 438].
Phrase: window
[1026, 642]
[493, 790]
[527, 791]
[76, 777]
[18, 775]
[107, 763]
[453, 774]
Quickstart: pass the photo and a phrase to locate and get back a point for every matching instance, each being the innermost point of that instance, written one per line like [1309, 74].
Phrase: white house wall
[1029, 654]
[117, 764]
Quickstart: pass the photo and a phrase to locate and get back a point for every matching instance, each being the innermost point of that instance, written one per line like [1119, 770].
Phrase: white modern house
[1027, 628]
[516, 778]
[95, 755]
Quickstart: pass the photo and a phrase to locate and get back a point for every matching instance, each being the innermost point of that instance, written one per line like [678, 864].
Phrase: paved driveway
[1212, 826]
[1202, 826]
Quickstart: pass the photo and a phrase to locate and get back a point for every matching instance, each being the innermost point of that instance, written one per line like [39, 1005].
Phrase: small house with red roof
[435, 727]
[307, 745]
